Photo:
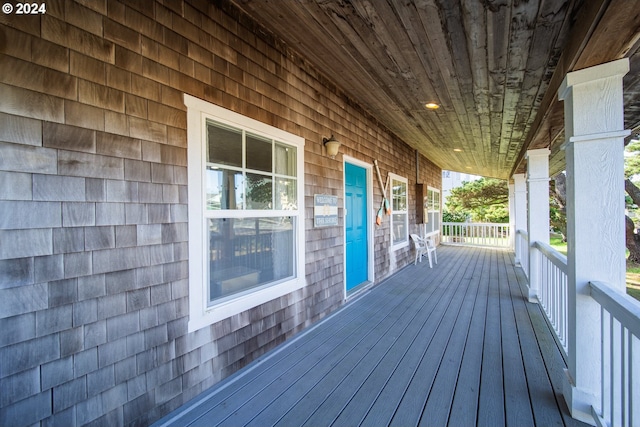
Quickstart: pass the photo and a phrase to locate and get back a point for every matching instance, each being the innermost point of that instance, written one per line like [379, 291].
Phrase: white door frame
[370, 216]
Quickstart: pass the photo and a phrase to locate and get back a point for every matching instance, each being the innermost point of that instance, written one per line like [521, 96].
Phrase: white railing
[619, 332]
[476, 234]
[553, 292]
[434, 236]
[618, 337]
[522, 250]
[620, 357]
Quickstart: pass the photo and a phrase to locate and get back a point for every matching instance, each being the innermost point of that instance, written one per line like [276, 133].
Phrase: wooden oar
[384, 204]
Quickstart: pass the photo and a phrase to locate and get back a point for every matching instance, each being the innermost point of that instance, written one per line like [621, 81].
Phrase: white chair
[424, 246]
[421, 247]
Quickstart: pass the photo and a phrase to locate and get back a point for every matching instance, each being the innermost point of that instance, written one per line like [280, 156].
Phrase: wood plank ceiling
[489, 64]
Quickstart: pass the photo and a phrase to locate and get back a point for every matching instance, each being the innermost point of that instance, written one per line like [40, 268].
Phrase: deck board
[427, 345]
[464, 407]
[491, 405]
[454, 345]
[531, 365]
[518, 411]
[400, 354]
[453, 372]
[444, 353]
[339, 388]
[314, 348]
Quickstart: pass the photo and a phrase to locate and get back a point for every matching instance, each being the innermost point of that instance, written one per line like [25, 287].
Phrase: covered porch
[107, 311]
[458, 344]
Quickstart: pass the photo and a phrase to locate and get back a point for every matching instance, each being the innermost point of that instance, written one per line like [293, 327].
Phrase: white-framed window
[399, 212]
[246, 212]
[432, 205]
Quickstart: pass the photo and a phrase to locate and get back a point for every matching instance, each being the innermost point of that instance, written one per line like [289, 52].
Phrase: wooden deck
[455, 345]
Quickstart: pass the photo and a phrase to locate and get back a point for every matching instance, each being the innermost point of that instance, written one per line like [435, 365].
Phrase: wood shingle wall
[93, 202]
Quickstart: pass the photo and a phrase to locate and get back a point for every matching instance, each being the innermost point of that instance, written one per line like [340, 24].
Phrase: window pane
[225, 189]
[249, 252]
[399, 228]
[436, 220]
[399, 196]
[224, 145]
[285, 160]
[433, 198]
[286, 194]
[258, 153]
[259, 191]
[428, 227]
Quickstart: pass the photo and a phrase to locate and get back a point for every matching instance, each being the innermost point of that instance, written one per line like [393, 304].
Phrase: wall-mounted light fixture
[332, 145]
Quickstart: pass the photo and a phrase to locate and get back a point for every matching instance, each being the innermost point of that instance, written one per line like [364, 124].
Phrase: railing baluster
[611, 376]
[623, 380]
[553, 290]
[563, 306]
[476, 234]
[634, 381]
[556, 301]
[603, 388]
[604, 379]
[629, 376]
[620, 334]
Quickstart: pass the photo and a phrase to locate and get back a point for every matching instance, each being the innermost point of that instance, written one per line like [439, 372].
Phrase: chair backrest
[418, 241]
[430, 243]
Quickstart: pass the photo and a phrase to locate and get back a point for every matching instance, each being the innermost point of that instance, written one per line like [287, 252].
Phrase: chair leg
[435, 255]
[429, 256]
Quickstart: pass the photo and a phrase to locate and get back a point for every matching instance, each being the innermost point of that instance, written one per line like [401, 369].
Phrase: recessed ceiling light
[431, 106]
[457, 150]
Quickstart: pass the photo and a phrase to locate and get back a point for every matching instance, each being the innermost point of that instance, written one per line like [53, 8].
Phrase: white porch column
[512, 216]
[520, 208]
[538, 214]
[593, 110]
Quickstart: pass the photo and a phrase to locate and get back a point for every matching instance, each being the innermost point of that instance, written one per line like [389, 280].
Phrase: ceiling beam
[604, 31]
[538, 136]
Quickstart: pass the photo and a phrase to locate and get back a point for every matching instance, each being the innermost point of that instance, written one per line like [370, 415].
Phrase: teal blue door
[356, 224]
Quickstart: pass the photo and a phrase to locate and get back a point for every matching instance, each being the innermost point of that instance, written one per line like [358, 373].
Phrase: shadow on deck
[454, 345]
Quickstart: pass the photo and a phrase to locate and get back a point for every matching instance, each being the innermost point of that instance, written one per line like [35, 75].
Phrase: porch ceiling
[493, 66]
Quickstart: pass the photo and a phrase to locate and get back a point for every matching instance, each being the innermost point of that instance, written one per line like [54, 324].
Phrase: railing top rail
[522, 232]
[558, 259]
[621, 306]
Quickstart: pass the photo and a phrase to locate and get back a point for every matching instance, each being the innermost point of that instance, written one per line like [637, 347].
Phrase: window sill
[205, 316]
[399, 246]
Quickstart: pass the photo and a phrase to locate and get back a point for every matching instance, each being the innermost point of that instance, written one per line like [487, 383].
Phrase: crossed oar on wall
[384, 204]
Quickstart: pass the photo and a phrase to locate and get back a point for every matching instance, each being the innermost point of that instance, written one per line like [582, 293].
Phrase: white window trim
[435, 190]
[392, 177]
[429, 224]
[200, 313]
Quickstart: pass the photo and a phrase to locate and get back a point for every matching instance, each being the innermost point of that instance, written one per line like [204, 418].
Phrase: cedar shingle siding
[93, 202]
